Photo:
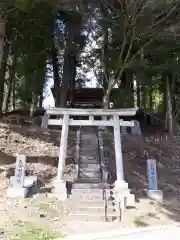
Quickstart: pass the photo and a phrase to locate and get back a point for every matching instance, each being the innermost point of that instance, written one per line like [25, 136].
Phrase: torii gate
[67, 120]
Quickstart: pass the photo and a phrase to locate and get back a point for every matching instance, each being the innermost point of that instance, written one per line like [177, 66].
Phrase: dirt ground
[41, 211]
[42, 148]
[49, 213]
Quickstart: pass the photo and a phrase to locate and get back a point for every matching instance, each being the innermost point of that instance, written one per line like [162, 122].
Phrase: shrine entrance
[111, 117]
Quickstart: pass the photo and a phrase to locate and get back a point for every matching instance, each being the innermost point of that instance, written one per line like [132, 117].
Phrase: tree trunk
[2, 40]
[33, 104]
[151, 99]
[8, 95]
[41, 100]
[105, 76]
[11, 82]
[56, 76]
[146, 98]
[70, 55]
[4, 47]
[138, 94]
[106, 101]
[143, 97]
[106, 97]
[135, 91]
[41, 88]
[169, 107]
[130, 89]
[14, 94]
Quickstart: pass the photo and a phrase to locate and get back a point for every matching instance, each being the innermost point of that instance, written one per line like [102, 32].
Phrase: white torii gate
[66, 121]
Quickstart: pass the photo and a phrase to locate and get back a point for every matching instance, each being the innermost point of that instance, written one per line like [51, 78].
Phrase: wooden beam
[59, 122]
[63, 146]
[92, 112]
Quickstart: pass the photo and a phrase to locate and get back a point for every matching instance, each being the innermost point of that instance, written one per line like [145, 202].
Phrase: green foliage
[118, 32]
[30, 232]
[31, 40]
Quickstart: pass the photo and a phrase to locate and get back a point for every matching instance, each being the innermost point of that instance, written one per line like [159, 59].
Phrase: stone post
[60, 185]
[121, 190]
[118, 149]
[153, 192]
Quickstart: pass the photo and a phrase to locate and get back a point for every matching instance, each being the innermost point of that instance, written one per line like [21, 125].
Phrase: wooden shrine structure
[85, 97]
[110, 117]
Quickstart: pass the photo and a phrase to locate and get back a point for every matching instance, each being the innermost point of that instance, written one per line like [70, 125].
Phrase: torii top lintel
[92, 112]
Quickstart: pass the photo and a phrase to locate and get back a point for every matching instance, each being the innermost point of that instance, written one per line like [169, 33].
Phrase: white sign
[19, 171]
[152, 174]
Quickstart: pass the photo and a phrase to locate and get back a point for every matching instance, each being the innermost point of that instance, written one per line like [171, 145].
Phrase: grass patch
[139, 222]
[30, 232]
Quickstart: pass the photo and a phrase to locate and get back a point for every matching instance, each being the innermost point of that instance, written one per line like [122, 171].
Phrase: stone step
[89, 160]
[89, 164]
[95, 192]
[95, 211]
[89, 180]
[89, 155]
[93, 200]
[82, 161]
[89, 135]
[88, 143]
[88, 149]
[89, 175]
[90, 191]
[89, 170]
[91, 217]
[92, 166]
[81, 184]
[96, 203]
[93, 142]
[87, 197]
[84, 141]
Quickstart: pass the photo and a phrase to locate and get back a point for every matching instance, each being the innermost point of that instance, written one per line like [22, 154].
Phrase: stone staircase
[91, 198]
[89, 161]
[88, 205]
[87, 202]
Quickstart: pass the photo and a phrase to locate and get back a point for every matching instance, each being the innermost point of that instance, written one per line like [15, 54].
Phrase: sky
[48, 97]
